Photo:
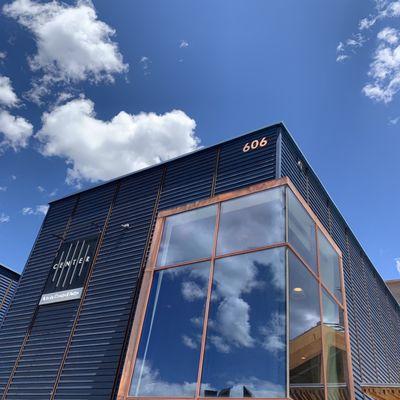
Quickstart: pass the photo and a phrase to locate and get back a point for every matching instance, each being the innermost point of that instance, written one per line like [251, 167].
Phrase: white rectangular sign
[70, 294]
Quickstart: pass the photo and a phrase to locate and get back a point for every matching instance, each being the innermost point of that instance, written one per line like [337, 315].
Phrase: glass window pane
[301, 231]
[168, 356]
[252, 221]
[305, 346]
[334, 341]
[329, 266]
[187, 236]
[246, 340]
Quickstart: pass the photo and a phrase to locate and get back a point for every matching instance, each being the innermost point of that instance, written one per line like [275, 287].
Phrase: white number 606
[255, 144]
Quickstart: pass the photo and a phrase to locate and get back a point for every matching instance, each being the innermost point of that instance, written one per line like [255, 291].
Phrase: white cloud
[15, 131]
[397, 261]
[394, 121]
[41, 189]
[191, 291]
[274, 333]
[72, 43]
[8, 97]
[3, 188]
[383, 9]
[3, 55]
[145, 63]
[147, 381]
[13, 177]
[97, 150]
[38, 210]
[4, 218]
[385, 68]
[189, 342]
[183, 44]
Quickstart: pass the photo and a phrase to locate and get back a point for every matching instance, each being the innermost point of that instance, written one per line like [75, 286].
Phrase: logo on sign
[69, 271]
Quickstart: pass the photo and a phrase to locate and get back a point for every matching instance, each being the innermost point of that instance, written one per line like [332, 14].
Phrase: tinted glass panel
[252, 221]
[305, 346]
[334, 340]
[338, 393]
[329, 266]
[246, 340]
[168, 356]
[301, 231]
[187, 236]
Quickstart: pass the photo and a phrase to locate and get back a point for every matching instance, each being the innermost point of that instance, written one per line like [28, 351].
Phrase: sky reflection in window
[252, 221]
[188, 236]
[246, 340]
[302, 231]
[329, 266]
[168, 356]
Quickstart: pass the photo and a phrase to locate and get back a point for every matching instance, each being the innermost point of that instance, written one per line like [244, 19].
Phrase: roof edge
[96, 185]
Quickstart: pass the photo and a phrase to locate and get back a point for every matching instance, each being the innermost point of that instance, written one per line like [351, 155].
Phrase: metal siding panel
[237, 169]
[93, 358]
[31, 284]
[188, 179]
[44, 350]
[374, 322]
[8, 287]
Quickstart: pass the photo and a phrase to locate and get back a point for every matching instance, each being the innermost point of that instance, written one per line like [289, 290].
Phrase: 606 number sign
[255, 144]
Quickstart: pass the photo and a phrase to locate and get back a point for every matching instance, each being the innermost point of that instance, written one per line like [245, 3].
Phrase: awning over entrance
[382, 391]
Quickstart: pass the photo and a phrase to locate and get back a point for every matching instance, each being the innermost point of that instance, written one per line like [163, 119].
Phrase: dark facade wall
[374, 315]
[8, 285]
[75, 350]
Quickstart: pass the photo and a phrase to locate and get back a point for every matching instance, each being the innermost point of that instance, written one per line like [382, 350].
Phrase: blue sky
[226, 67]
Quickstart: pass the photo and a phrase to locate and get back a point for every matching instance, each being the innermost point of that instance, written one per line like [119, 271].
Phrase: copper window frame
[134, 340]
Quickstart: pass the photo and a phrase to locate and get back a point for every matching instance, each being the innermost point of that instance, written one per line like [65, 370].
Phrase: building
[394, 286]
[228, 272]
[8, 284]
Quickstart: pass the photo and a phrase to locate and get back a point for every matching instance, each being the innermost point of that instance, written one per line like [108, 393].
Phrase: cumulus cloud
[38, 210]
[97, 150]
[385, 68]
[8, 97]
[183, 44]
[3, 55]
[15, 131]
[147, 381]
[3, 188]
[4, 218]
[72, 43]
[189, 342]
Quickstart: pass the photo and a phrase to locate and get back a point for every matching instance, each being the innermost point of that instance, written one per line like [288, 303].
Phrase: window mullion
[208, 301]
[324, 355]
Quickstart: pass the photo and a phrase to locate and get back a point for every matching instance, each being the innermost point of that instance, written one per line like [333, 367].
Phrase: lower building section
[224, 273]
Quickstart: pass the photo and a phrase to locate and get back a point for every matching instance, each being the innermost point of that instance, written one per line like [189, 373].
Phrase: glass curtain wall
[245, 301]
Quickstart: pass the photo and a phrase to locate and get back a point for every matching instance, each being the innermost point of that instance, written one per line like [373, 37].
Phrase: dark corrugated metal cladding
[52, 324]
[238, 169]
[22, 309]
[8, 286]
[94, 355]
[374, 316]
